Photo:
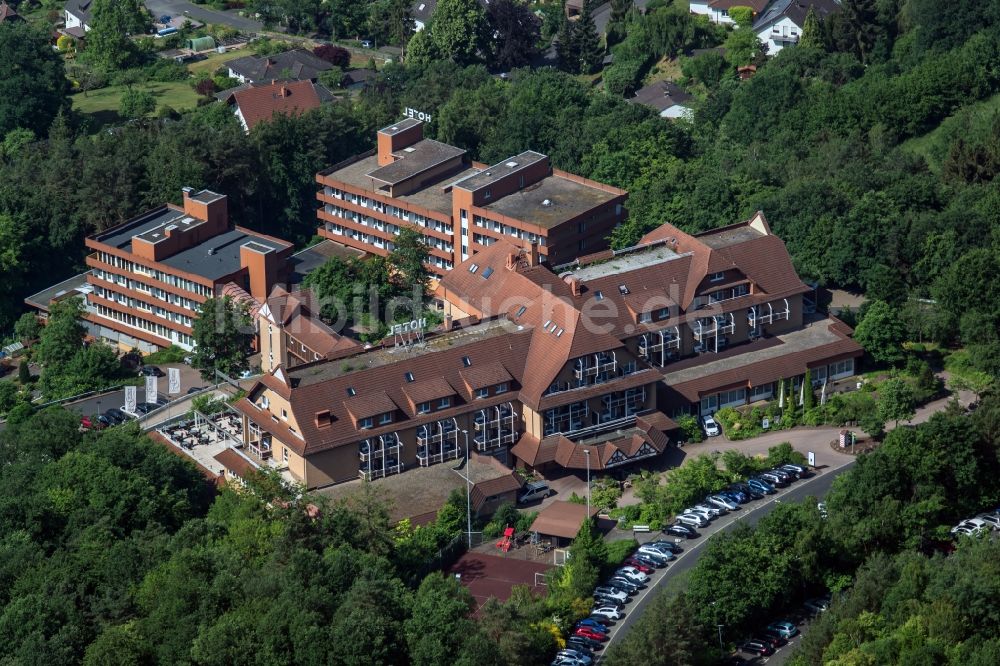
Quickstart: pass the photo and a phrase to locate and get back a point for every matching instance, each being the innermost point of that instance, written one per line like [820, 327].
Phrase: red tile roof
[562, 519]
[261, 102]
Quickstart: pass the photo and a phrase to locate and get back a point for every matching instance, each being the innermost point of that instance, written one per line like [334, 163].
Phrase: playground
[488, 576]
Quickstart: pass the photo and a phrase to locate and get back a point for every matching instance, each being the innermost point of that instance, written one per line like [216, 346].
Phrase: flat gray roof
[432, 196]
[498, 171]
[42, 299]
[727, 237]
[566, 199]
[625, 263]
[415, 159]
[401, 126]
[306, 261]
[224, 260]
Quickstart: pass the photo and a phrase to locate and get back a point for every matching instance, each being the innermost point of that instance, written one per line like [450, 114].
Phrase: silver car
[693, 519]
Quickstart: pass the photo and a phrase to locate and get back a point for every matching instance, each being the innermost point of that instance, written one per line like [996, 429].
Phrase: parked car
[583, 641]
[660, 548]
[150, 371]
[641, 566]
[534, 491]
[773, 479]
[736, 496]
[658, 559]
[772, 639]
[646, 549]
[86, 423]
[566, 660]
[143, 408]
[681, 530]
[608, 612]
[589, 633]
[991, 519]
[719, 500]
[600, 600]
[623, 584]
[975, 525]
[818, 605]
[784, 628]
[587, 656]
[591, 622]
[104, 421]
[574, 657]
[710, 426]
[666, 546]
[761, 485]
[757, 647]
[692, 520]
[799, 470]
[712, 510]
[633, 574]
[195, 389]
[699, 512]
[648, 562]
[116, 416]
[745, 488]
[611, 593]
[786, 475]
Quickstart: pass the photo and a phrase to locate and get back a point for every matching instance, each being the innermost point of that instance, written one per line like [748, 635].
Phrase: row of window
[389, 209]
[378, 225]
[166, 278]
[507, 230]
[142, 306]
[155, 292]
[133, 321]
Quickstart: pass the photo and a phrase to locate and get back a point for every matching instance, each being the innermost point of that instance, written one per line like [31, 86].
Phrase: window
[488, 194]
[351, 392]
[385, 418]
[645, 317]
[717, 277]
[366, 422]
[408, 376]
[521, 310]
[264, 402]
[488, 271]
[284, 414]
[482, 393]
[444, 403]
[284, 454]
[502, 388]
[664, 313]
[466, 361]
[474, 267]
[598, 295]
[424, 408]
[623, 290]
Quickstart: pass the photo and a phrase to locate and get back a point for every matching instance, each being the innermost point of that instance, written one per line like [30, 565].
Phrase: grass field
[104, 102]
[933, 146]
[214, 61]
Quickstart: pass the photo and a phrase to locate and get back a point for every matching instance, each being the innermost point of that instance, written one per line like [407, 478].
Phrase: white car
[973, 526]
[633, 574]
[711, 510]
[710, 425]
[699, 512]
[656, 552]
[609, 612]
[991, 519]
[692, 520]
[611, 593]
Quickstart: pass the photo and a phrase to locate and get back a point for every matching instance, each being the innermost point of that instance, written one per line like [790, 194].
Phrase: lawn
[104, 102]
[215, 60]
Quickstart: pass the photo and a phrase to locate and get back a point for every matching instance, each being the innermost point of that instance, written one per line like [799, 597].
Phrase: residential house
[717, 11]
[667, 98]
[421, 12]
[256, 103]
[8, 15]
[781, 25]
[294, 65]
[78, 17]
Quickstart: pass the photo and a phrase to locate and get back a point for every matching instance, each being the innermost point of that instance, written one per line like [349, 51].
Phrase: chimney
[511, 261]
[447, 322]
[533, 254]
[574, 284]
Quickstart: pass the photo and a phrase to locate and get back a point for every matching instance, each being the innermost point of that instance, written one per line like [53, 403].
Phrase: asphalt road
[816, 486]
[201, 13]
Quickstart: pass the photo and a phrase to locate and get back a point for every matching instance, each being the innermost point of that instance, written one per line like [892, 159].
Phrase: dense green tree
[742, 15]
[587, 41]
[459, 30]
[389, 21]
[515, 33]
[61, 338]
[567, 49]
[23, 372]
[33, 85]
[439, 623]
[881, 333]
[742, 47]
[27, 327]
[136, 103]
[109, 41]
[896, 400]
[222, 332]
[812, 32]
[408, 256]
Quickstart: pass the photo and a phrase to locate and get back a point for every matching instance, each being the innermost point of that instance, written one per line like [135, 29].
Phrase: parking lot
[817, 485]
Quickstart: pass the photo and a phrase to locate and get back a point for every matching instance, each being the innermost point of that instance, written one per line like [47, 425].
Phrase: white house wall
[779, 34]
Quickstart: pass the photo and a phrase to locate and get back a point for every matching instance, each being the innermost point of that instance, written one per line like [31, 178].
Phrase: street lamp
[468, 491]
[586, 452]
[715, 610]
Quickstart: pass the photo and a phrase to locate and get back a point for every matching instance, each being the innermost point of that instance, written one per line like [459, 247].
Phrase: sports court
[488, 576]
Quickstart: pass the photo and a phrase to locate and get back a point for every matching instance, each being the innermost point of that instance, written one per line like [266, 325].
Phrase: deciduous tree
[881, 333]
[33, 84]
[222, 333]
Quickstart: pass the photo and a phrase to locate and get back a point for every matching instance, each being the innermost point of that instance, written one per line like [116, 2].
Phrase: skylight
[473, 268]
[351, 392]
[599, 295]
[623, 290]
[466, 361]
[408, 377]
[487, 272]
[521, 310]
[546, 324]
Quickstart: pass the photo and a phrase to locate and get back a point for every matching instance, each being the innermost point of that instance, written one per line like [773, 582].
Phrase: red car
[85, 423]
[590, 633]
[644, 568]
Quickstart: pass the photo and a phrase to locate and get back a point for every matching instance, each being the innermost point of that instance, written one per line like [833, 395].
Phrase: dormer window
[444, 403]
[351, 392]
[424, 408]
[645, 317]
[717, 277]
[466, 361]
[366, 423]
[385, 418]
[502, 388]
[482, 393]
[408, 376]
[664, 313]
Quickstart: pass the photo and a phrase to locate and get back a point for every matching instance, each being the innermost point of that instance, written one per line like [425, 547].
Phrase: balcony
[598, 364]
[437, 442]
[369, 471]
[379, 448]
